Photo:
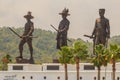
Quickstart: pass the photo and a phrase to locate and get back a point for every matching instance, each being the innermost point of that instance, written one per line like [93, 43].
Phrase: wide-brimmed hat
[65, 12]
[29, 16]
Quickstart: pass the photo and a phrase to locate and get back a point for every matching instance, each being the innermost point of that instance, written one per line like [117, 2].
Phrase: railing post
[118, 78]
[94, 78]
[58, 77]
[80, 78]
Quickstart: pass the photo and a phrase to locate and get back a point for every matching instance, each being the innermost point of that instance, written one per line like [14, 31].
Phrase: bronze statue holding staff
[63, 29]
[26, 37]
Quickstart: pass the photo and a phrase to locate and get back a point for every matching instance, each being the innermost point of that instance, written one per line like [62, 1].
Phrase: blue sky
[82, 18]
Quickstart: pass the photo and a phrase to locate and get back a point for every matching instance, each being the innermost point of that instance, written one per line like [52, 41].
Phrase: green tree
[65, 58]
[100, 57]
[114, 51]
[80, 53]
[106, 58]
[5, 60]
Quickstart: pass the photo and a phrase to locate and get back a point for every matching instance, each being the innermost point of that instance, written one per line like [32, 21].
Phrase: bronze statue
[62, 29]
[101, 32]
[27, 36]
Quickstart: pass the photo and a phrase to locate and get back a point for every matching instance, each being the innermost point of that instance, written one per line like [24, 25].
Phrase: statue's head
[64, 13]
[28, 16]
[101, 12]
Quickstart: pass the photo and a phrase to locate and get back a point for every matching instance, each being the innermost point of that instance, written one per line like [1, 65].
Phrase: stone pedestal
[21, 60]
[24, 67]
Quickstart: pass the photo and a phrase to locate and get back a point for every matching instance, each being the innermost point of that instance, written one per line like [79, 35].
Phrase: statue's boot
[20, 57]
[31, 60]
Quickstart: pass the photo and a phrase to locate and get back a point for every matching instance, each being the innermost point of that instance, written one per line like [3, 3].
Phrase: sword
[18, 34]
[91, 37]
[54, 27]
[106, 44]
[57, 31]
[14, 32]
[88, 36]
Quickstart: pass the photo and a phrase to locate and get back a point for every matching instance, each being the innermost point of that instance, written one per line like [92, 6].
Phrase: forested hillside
[44, 45]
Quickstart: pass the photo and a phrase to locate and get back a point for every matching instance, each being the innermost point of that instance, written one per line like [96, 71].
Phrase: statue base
[21, 60]
[23, 67]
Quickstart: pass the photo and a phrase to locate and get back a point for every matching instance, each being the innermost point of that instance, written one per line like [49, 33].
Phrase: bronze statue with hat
[25, 38]
[63, 29]
[101, 31]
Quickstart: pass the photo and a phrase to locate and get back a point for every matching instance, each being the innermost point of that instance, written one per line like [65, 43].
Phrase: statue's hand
[27, 36]
[21, 37]
[91, 36]
[60, 31]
